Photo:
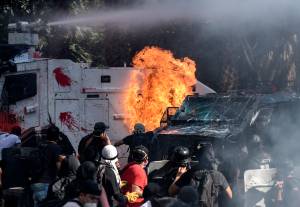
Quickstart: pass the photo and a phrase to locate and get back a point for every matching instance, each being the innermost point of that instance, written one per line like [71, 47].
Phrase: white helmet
[109, 152]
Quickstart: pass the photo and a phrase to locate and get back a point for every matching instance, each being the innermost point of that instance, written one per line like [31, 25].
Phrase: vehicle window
[19, 87]
[208, 109]
[262, 117]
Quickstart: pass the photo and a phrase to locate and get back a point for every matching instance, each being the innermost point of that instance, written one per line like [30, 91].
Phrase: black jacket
[109, 183]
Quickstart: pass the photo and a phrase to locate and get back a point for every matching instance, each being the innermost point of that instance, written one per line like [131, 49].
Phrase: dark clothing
[90, 148]
[219, 182]
[72, 189]
[69, 166]
[82, 146]
[135, 140]
[86, 171]
[67, 174]
[206, 157]
[51, 155]
[112, 188]
[164, 176]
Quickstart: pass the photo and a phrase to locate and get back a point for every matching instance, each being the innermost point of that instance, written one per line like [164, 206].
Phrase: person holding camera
[179, 163]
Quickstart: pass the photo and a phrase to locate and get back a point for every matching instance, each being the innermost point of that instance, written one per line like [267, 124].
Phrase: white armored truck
[74, 95]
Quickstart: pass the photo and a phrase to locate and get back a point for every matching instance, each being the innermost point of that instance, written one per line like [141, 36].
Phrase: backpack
[83, 144]
[204, 183]
[58, 188]
[88, 150]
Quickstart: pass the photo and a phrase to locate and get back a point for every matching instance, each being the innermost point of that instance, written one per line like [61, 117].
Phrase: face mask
[90, 205]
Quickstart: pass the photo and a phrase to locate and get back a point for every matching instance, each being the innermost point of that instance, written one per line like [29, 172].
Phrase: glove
[131, 197]
[123, 183]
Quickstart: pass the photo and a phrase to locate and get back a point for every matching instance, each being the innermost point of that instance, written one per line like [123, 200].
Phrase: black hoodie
[66, 175]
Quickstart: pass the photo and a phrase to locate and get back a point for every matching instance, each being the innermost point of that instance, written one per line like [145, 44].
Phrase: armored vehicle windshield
[216, 109]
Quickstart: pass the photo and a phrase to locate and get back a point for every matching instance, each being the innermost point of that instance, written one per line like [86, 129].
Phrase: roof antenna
[50, 119]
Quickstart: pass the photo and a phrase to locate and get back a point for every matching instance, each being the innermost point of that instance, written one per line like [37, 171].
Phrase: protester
[135, 176]
[89, 195]
[286, 191]
[108, 175]
[67, 174]
[205, 155]
[50, 161]
[86, 171]
[90, 147]
[166, 175]
[209, 184]
[137, 138]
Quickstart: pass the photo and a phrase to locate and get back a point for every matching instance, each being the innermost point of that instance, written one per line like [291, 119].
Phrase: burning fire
[164, 82]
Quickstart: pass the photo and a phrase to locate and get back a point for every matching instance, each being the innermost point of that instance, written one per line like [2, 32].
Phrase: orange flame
[164, 82]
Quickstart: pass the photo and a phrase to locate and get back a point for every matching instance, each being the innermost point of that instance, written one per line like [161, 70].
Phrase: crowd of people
[94, 177]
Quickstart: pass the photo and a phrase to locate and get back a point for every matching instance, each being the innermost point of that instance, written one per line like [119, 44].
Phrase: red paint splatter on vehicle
[7, 121]
[67, 119]
[61, 78]
[37, 55]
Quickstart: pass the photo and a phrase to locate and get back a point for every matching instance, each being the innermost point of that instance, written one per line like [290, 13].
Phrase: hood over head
[69, 166]
[87, 170]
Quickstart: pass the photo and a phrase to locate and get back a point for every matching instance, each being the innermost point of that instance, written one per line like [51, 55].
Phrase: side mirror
[168, 114]
[171, 111]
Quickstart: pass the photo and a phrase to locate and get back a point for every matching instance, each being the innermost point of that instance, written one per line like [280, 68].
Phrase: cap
[100, 127]
[89, 187]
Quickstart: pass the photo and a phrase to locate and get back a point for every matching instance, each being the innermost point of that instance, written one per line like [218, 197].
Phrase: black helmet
[180, 155]
[139, 153]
